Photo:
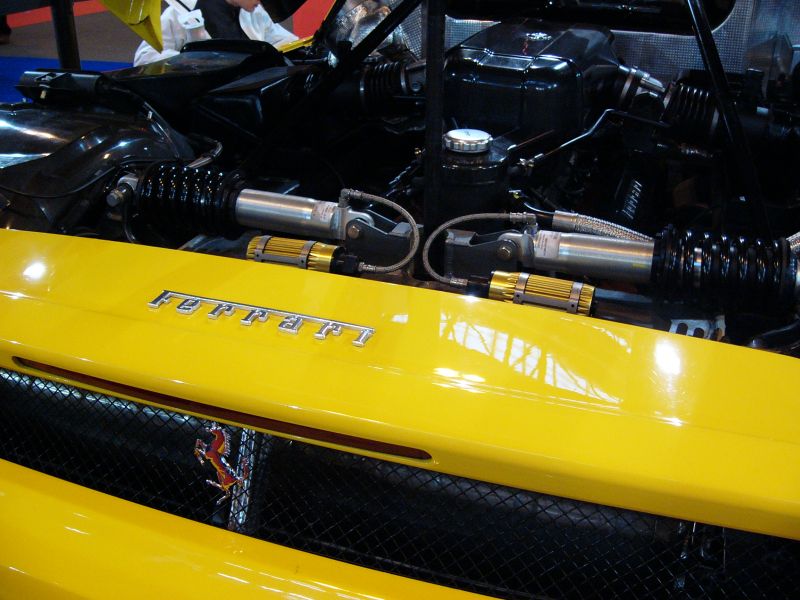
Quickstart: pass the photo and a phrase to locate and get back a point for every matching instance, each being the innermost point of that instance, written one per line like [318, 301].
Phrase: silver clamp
[519, 290]
[260, 250]
[574, 297]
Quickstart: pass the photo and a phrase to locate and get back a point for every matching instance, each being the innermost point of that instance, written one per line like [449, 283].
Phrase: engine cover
[524, 78]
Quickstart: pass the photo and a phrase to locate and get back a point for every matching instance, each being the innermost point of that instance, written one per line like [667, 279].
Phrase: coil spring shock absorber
[191, 200]
[724, 272]
[186, 199]
[692, 111]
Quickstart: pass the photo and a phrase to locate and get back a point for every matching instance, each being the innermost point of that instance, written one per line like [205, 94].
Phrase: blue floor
[11, 68]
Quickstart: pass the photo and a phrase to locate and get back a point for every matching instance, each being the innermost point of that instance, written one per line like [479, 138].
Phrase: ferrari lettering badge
[216, 453]
[248, 314]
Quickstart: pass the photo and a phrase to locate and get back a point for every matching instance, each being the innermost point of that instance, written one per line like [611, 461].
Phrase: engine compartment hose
[208, 156]
[349, 195]
[783, 340]
[460, 282]
[692, 111]
[723, 272]
[739, 147]
[577, 223]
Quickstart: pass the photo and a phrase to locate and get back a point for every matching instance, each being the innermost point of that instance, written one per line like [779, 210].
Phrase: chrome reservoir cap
[467, 141]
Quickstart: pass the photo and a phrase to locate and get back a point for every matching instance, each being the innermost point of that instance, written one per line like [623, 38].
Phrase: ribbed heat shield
[452, 531]
[751, 23]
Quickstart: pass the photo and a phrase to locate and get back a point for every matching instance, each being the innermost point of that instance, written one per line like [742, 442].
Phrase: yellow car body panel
[142, 16]
[520, 396]
[65, 541]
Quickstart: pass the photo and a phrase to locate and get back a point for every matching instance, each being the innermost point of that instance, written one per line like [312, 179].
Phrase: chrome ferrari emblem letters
[288, 322]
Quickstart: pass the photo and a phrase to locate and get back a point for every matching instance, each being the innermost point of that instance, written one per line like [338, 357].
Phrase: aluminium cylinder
[593, 256]
[294, 214]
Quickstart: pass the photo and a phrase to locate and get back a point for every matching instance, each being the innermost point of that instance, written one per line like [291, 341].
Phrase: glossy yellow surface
[64, 541]
[301, 43]
[516, 395]
[142, 16]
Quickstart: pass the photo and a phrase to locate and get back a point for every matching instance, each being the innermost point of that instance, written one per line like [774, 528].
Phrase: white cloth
[257, 25]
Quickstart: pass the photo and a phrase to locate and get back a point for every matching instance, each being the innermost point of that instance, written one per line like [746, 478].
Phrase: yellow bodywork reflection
[301, 43]
[515, 395]
[70, 542]
[142, 16]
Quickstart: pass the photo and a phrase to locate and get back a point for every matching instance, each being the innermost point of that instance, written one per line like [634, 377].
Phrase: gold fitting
[254, 244]
[502, 286]
[306, 254]
[522, 288]
[284, 247]
[585, 299]
[321, 256]
[552, 292]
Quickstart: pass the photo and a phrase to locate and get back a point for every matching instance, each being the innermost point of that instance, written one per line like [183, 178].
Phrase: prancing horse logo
[216, 452]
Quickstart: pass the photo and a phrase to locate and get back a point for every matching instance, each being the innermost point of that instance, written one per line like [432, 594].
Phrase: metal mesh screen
[453, 531]
[661, 54]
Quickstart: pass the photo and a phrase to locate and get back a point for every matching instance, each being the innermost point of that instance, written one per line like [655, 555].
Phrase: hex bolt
[505, 252]
[119, 194]
[354, 231]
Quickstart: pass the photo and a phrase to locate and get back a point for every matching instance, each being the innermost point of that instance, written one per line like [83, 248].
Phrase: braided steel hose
[577, 223]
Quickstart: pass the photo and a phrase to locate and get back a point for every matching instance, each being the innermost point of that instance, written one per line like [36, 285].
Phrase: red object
[216, 453]
[307, 19]
[42, 15]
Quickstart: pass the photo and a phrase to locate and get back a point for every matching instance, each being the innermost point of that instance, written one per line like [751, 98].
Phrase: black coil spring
[181, 198]
[692, 110]
[725, 272]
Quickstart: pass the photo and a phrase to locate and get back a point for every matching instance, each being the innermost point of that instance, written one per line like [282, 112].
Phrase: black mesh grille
[452, 531]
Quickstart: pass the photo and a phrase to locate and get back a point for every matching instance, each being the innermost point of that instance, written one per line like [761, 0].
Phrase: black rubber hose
[739, 149]
[784, 339]
[349, 61]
